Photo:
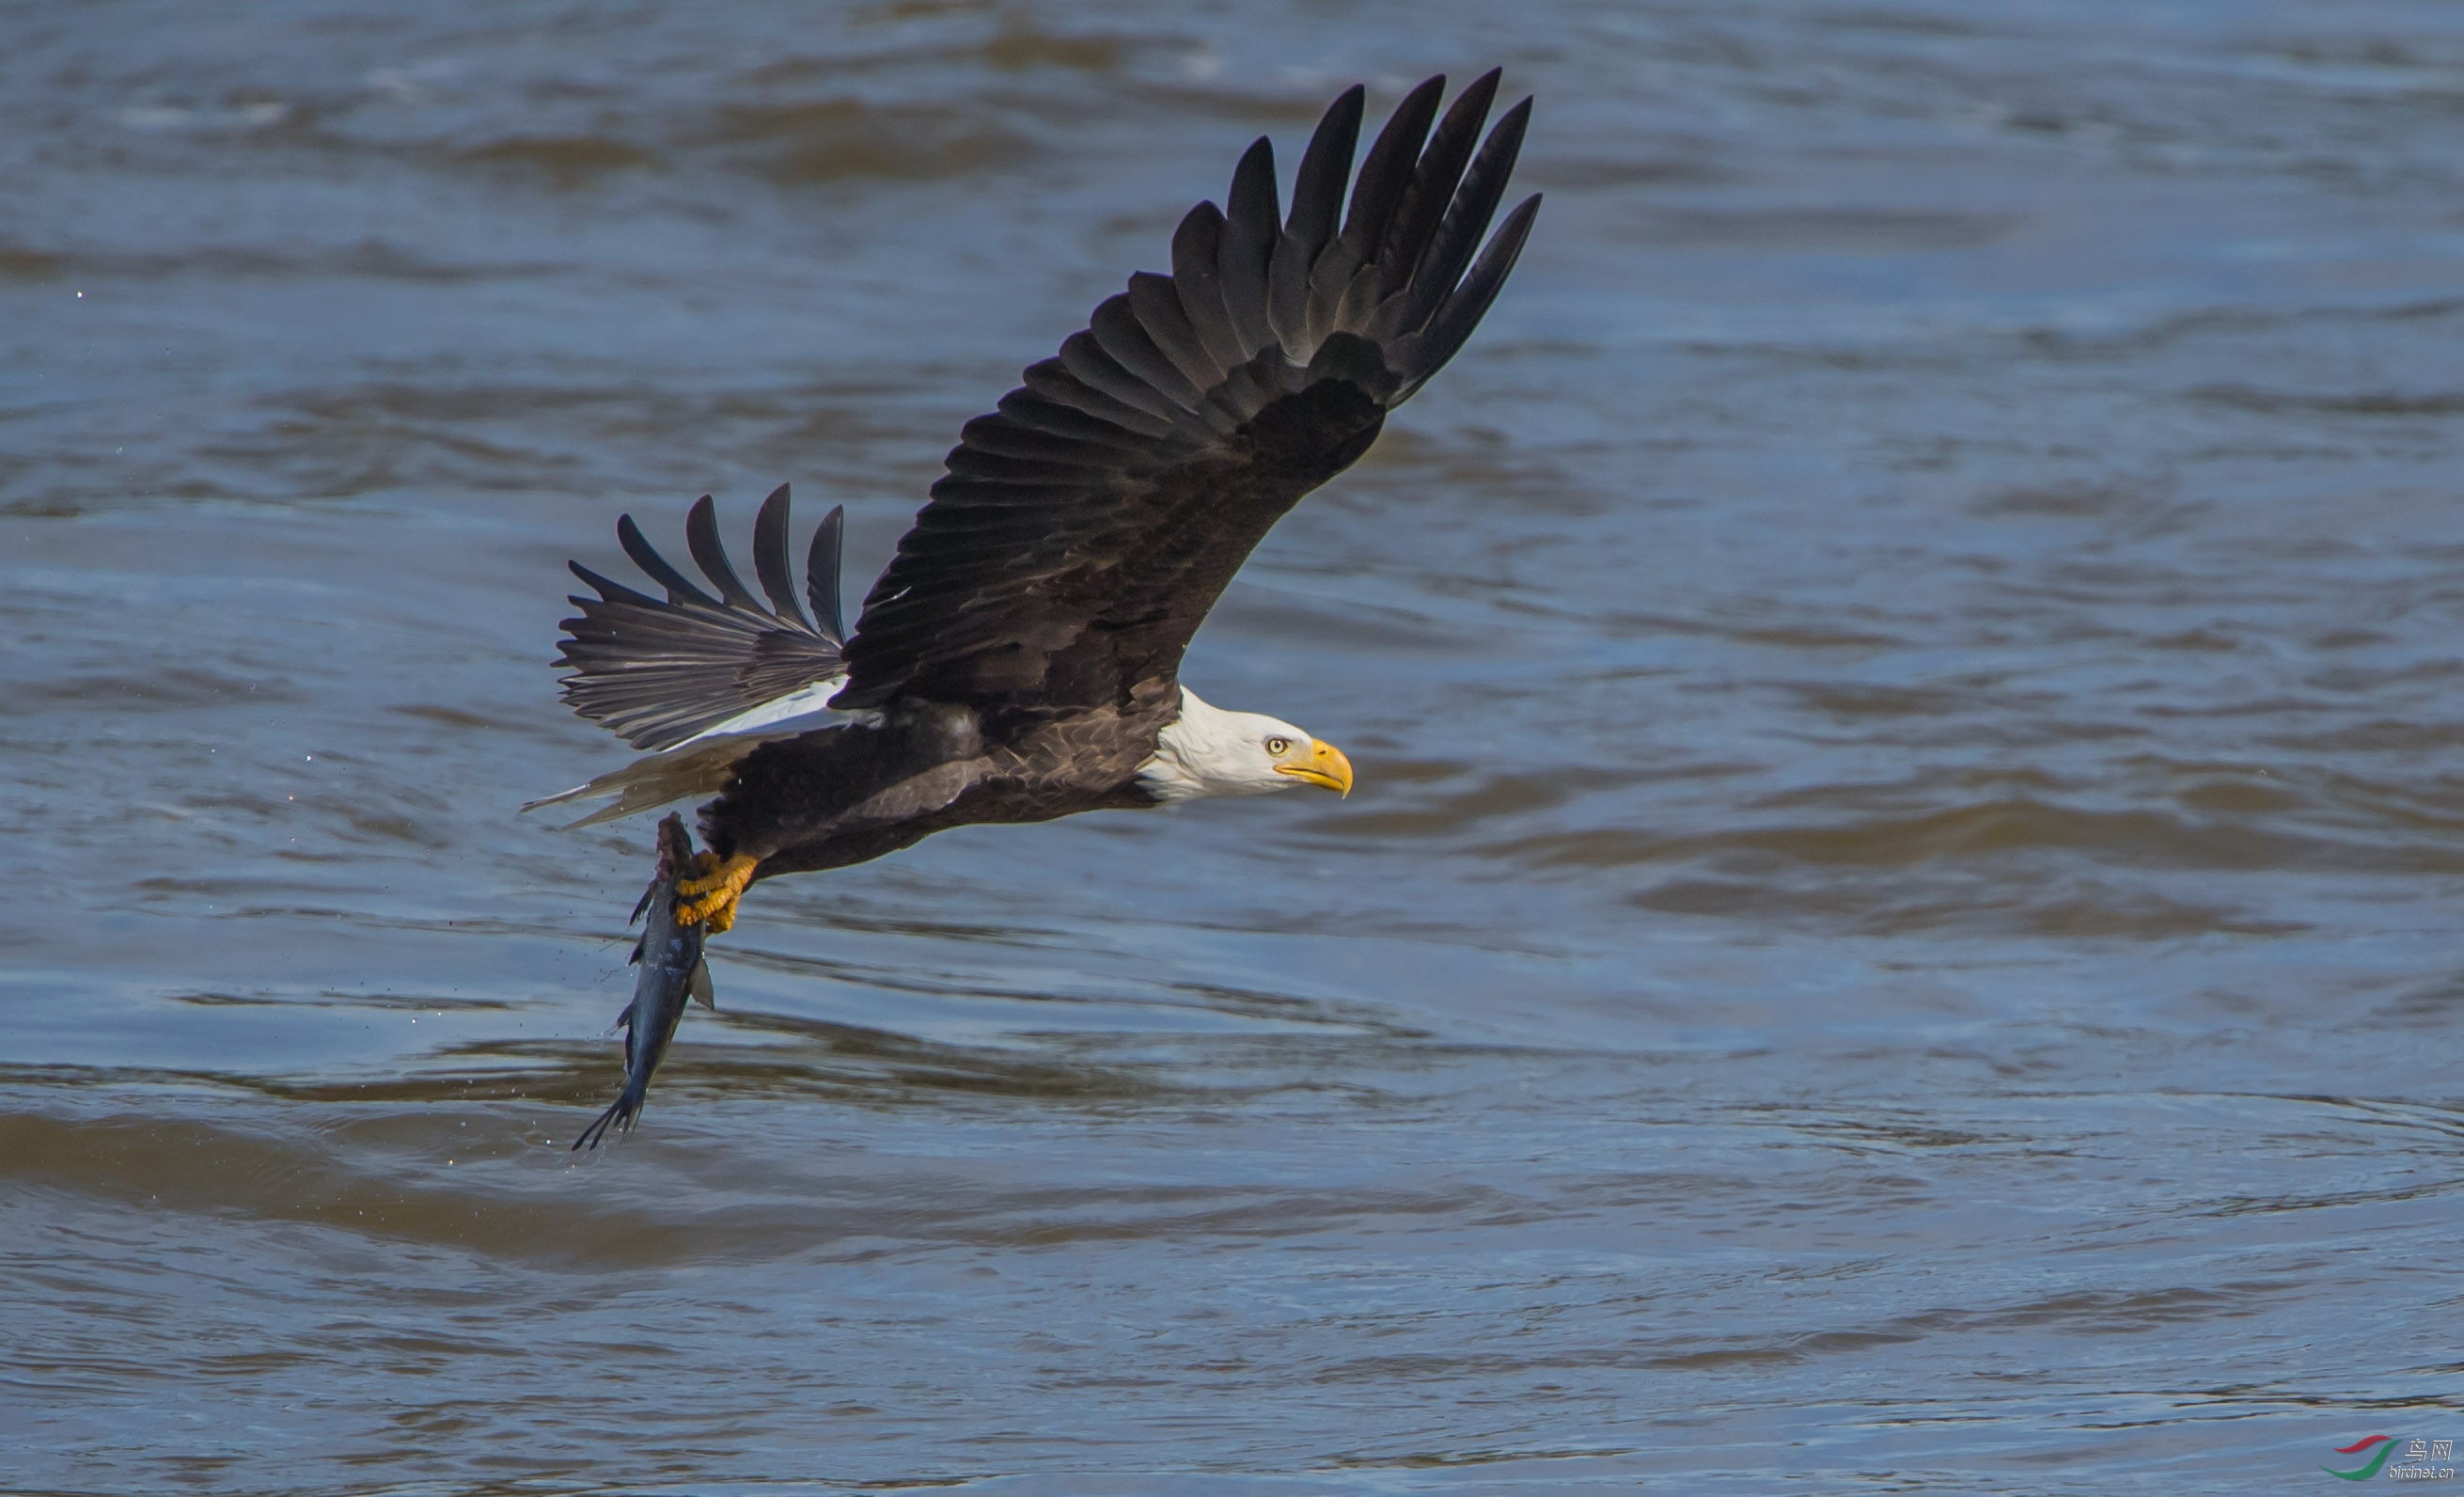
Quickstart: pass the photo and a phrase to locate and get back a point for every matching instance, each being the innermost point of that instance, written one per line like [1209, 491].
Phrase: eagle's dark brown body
[851, 794]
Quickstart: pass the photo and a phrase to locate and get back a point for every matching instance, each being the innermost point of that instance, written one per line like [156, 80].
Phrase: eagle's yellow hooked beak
[1326, 766]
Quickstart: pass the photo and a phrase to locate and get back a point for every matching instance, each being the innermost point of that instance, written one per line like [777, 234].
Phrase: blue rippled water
[1897, 932]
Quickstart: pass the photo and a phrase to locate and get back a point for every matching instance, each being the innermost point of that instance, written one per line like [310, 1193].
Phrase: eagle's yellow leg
[710, 893]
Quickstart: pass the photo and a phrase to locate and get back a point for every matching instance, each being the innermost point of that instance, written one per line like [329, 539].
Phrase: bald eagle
[1018, 660]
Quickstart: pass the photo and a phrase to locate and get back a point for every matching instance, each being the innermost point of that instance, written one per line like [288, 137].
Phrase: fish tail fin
[620, 1115]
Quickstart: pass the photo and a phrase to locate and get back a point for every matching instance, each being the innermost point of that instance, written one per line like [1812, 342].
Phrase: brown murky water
[1899, 930]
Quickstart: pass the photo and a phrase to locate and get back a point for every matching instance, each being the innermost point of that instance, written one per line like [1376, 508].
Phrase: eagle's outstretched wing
[1084, 530]
[657, 673]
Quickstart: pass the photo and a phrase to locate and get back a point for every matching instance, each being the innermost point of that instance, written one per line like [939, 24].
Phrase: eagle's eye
[1277, 746]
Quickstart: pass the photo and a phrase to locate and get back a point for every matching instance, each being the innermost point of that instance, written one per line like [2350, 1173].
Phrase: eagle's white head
[1208, 750]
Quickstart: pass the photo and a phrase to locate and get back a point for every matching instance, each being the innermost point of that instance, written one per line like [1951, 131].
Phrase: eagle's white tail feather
[655, 780]
[701, 765]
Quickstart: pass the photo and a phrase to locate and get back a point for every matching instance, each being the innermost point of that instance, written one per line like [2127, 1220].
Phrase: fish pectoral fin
[635, 960]
[698, 985]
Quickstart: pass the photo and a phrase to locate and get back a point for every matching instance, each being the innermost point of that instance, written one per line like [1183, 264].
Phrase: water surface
[1897, 932]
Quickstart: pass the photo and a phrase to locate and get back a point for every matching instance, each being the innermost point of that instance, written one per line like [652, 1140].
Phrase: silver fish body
[671, 972]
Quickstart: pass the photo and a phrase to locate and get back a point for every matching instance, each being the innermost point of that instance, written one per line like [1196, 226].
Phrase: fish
[672, 972]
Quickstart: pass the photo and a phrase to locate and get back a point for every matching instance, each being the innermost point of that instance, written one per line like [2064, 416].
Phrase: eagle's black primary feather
[656, 673]
[821, 563]
[1084, 529]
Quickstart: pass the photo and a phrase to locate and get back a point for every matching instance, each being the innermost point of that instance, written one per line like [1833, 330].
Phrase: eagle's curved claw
[709, 896]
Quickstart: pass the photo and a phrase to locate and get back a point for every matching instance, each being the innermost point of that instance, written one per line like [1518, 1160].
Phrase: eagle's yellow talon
[708, 896]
